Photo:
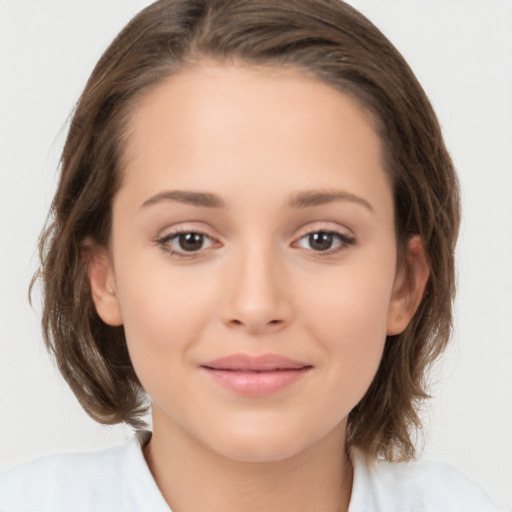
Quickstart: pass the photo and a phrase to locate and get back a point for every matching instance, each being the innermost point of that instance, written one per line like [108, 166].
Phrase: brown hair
[339, 46]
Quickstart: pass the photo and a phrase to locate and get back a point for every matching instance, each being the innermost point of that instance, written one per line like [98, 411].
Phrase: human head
[337, 45]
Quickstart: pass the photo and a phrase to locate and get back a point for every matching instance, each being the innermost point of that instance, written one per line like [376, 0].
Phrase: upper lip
[245, 362]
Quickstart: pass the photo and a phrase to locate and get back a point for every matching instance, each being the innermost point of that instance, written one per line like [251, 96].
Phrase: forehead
[234, 122]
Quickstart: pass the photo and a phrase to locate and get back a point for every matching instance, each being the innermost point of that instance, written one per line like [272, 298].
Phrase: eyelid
[326, 227]
[342, 239]
[164, 241]
[345, 236]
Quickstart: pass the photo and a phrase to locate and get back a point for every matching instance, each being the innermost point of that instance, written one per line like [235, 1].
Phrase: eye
[190, 242]
[325, 241]
[181, 243]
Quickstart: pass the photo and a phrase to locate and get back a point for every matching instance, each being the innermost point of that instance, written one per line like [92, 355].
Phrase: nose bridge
[257, 298]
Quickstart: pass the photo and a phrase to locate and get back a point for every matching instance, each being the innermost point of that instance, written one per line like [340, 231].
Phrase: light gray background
[461, 50]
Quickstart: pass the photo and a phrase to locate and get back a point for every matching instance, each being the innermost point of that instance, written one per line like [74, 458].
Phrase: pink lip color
[255, 376]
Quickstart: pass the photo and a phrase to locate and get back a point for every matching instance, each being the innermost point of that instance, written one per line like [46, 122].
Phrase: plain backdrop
[461, 51]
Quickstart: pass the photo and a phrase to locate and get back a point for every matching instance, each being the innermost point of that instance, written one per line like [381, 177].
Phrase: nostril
[238, 323]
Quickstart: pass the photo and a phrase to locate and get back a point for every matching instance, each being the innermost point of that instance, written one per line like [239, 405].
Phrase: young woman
[254, 227]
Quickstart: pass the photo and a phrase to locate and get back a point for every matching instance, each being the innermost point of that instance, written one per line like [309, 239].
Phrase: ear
[100, 273]
[409, 287]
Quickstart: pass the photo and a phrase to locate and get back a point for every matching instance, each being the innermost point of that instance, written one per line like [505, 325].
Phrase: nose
[257, 299]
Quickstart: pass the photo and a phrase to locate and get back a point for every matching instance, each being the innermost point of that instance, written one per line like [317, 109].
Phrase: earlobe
[408, 289]
[102, 284]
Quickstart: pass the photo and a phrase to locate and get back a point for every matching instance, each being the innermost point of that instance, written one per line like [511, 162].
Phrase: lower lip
[257, 383]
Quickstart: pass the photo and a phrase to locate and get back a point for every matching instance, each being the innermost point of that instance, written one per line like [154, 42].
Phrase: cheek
[348, 321]
[164, 312]
[353, 300]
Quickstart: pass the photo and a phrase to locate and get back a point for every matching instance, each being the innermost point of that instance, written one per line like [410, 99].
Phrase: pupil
[320, 241]
[191, 241]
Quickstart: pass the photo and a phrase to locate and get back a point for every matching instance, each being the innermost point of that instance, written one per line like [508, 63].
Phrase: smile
[255, 376]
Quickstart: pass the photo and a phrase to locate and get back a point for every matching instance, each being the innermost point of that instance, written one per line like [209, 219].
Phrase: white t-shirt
[119, 480]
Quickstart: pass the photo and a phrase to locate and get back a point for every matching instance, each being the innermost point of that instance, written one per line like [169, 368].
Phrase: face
[252, 259]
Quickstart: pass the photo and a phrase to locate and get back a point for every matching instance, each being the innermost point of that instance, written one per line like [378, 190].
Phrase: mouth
[256, 376]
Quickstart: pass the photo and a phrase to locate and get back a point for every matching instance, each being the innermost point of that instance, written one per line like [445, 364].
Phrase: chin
[261, 452]
[263, 445]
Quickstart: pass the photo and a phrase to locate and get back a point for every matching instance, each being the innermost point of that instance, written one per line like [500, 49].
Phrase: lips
[255, 375]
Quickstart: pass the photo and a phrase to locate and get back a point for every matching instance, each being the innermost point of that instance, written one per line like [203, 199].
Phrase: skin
[256, 139]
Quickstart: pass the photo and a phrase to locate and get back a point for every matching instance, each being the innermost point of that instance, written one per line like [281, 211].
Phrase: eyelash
[344, 241]
[164, 242]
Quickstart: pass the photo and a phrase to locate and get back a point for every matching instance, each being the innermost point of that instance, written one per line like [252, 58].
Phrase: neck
[193, 478]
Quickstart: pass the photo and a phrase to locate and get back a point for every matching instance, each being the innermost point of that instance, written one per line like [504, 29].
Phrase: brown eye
[185, 243]
[320, 241]
[325, 241]
[190, 241]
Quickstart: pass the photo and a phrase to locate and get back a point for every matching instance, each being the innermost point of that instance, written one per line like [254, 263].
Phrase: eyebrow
[319, 198]
[300, 200]
[203, 199]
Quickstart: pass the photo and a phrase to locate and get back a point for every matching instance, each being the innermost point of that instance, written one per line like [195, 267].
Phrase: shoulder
[60, 480]
[414, 486]
[98, 481]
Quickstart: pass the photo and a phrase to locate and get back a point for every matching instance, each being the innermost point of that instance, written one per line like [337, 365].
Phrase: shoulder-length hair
[340, 47]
